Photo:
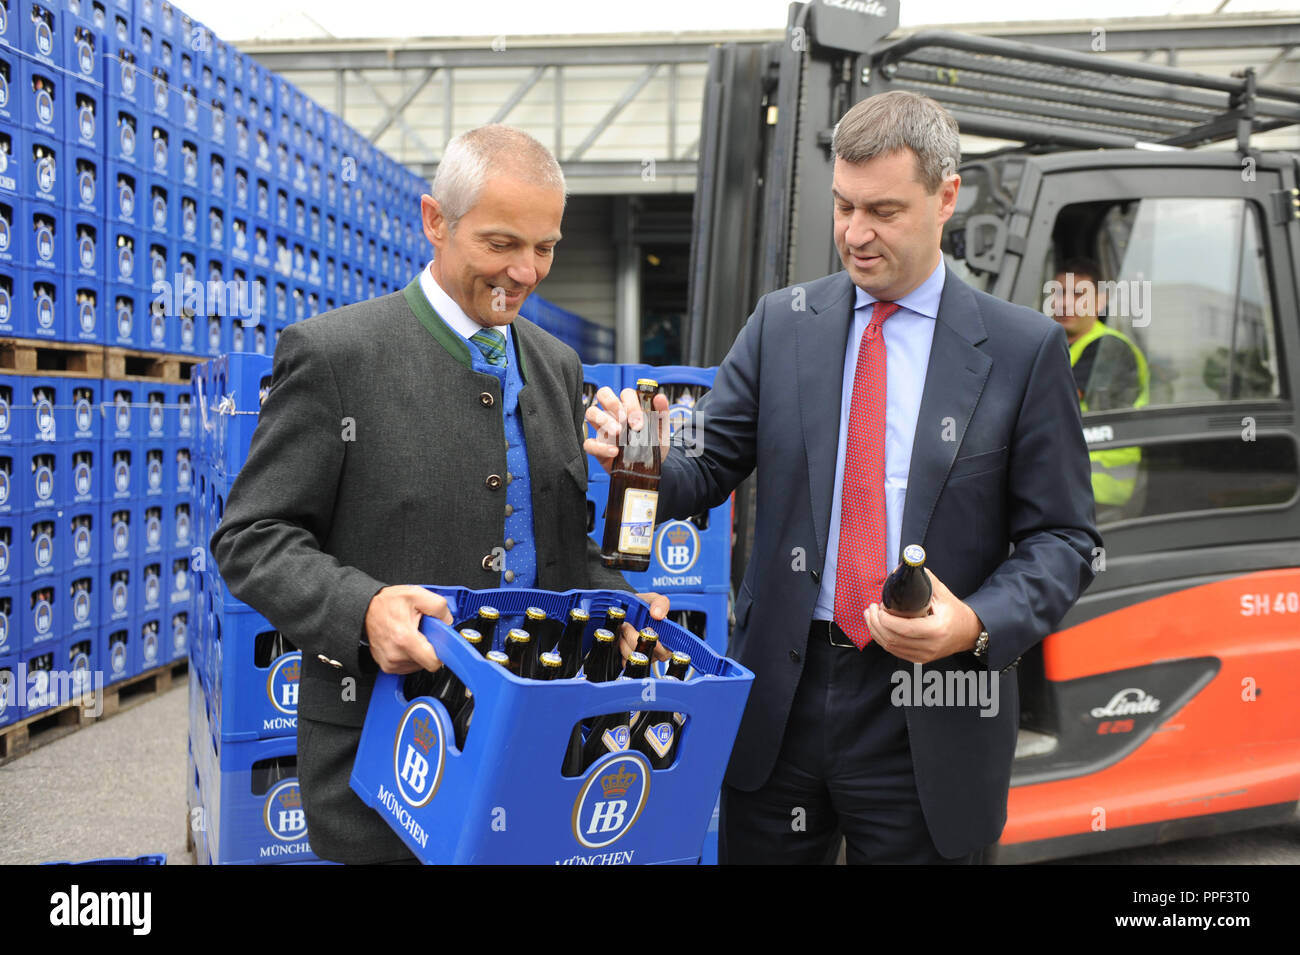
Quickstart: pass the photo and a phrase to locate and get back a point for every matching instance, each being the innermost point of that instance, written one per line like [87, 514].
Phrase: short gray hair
[887, 122]
[473, 156]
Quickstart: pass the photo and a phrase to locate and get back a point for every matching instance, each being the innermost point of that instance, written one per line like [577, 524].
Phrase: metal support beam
[1277, 61]
[515, 98]
[395, 110]
[397, 118]
[596, 169]
[559, 110]
[448, 104]
[424, 55]
[627, 285]
[629, 94]
[672, 110]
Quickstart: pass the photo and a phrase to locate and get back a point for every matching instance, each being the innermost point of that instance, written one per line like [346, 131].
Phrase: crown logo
[678, 535]
[292, 670]
[423, 735]
[617, 784]
[290, 798]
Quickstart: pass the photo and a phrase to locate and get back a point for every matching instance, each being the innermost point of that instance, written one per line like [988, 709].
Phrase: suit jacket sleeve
[1050, 514]
[599, 576]
[280, 508]
[716, 451]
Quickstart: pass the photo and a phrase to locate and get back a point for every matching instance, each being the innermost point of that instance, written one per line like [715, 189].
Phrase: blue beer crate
[117, 651]
[10, 711]
[127, 137]
[161, 204]
[126, 195]
[13, 480]
[148, 632]
[176, 633]
[9, 29]
[187, 221]
[15, 180]
[124, 419]
[13, 235]
[77, 589]
[150, 517]
[409, 769]
[83, 45]
[40, 613]
[77, 540]
[84, 315]
[12, 100]
[10, 619]
[178, 580]
[42, 297]
[126, 74]
[239, 383]
[249, 701]
[120, 471]
[45, 226]
[252, 817]
[42, 557]
[117, 523]
[179, 528]
[83, 254]
[12, 318]
[79, 656]
[160, 859]
[41, 473]
[78, 466]
[12, 552]
[179, 474]
[42, 91]
[161, 266]
[158, 148]
[181, 419]
[38, 681]
[149, 582]
[158, 325]
[10, 424]
[116, 595]
[127, 315]
[84, 108]
[153, 483]
[152, 396]
[84, 188]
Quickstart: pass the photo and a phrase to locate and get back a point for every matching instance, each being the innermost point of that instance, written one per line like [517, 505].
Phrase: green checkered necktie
[492, 344]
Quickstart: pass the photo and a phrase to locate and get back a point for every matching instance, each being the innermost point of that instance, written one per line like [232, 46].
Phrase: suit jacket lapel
[954, 381]
[821, 336]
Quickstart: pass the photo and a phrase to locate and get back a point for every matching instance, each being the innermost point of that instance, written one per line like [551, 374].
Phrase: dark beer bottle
[551, 665]
[654, 735]
[609, 733]
[474, 639]
[539, 628]
[907, 590]
[499, 657]
[485, 622]
[634, 490]
[596, 667]
[523, 659]
[614, 617]
[570, 646]
[464, 716]
[678, 666]
[646, 642]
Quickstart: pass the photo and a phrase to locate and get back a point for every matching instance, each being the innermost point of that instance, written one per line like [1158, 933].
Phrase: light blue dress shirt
[908, 333]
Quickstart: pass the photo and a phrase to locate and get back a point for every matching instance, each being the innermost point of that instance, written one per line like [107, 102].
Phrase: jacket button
[486, 399]
[323, 659]
[794, 656]
[493, 481]
[489, 561]
[510, 542]
[510, 576]
[509, 477]
[509, 510]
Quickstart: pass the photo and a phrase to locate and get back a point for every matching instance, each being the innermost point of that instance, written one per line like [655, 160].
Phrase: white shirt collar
[448, 310]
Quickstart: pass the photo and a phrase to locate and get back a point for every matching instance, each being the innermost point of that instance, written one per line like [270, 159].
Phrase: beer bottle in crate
[522, 657]
[906, 592]
[634, 490]
[540, 628]
[646, 642]
[609, 733]
[596, 667]
[654, 735]
[678, 667]
[570, 645]
[485, 622]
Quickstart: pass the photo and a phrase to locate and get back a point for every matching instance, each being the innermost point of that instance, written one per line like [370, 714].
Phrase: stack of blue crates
[243, 677]
[95, 527]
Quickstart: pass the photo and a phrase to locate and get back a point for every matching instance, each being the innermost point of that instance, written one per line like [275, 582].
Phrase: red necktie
[860, 568]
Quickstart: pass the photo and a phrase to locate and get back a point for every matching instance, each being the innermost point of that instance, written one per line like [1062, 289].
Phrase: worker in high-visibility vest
[1110, 372]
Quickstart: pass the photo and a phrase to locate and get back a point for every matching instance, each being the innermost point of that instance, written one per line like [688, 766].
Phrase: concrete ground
[113, 789]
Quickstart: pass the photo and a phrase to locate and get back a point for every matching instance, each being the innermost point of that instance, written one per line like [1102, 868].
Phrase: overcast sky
[245, 19]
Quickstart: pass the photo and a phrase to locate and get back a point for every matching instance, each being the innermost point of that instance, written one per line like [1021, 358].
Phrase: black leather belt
[827, 631]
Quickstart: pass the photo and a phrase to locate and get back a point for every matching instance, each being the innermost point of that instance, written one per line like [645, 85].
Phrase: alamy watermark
[235, 298]
[1130, 298]
[946, 688]
[32, 689]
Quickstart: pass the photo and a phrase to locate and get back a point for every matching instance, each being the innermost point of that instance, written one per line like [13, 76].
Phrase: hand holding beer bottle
[612, 416]
[919, 619]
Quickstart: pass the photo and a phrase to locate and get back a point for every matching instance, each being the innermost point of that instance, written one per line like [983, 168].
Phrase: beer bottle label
[636, 535]
[660, 737]
[615, 739]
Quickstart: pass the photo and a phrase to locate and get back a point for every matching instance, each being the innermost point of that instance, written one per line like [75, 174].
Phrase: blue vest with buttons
[519, 567]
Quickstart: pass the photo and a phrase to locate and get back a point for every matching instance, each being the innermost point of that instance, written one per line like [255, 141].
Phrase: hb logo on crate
[283, 813]
[149, 645]
[611, 800]
[678, 547]
[419, 754]
[282, 689]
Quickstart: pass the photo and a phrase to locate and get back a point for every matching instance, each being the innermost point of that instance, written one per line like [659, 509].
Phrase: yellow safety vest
[1114, 470]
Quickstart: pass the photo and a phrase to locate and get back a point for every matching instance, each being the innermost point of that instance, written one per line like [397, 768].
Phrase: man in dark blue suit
[942, 417]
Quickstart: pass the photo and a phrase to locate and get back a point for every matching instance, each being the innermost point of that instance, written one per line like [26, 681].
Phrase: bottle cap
[496, 656]
[472, 635]
[647, 383]
[638, 660]
[577, 613]
[648, 633]
[617, 612]
[519, 636]
[551, 660]
[489, 613]
[603, 636]
[535, 613]
[914, 555]
[682, 658]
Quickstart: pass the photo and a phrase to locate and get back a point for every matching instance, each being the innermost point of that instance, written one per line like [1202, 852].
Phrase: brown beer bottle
[634, 490]
[646, 643]
[523, 658]
[570, 646]
[907, 590]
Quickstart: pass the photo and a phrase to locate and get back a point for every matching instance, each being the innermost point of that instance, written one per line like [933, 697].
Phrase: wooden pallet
[129, 364]
[34, 356]
[52, 724]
